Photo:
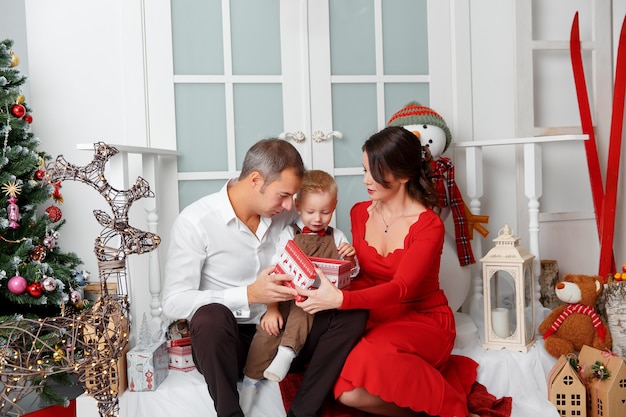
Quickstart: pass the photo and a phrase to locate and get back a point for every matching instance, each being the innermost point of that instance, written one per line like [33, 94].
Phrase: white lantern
[508, 283]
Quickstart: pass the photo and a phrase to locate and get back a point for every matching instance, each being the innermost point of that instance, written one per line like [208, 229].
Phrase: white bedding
[521, 376]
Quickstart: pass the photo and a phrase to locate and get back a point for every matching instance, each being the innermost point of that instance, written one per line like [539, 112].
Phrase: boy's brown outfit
[297, 322]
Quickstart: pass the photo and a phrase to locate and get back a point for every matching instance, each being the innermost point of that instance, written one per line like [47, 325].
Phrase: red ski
[607, 226]
[604, 203]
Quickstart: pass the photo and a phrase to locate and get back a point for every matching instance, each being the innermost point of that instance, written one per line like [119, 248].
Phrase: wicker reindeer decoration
[93, 339]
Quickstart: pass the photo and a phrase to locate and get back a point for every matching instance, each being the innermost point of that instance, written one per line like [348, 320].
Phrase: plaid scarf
[444, 166]
[582, 309]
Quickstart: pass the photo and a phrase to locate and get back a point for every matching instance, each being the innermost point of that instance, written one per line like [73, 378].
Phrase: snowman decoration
[433, 132]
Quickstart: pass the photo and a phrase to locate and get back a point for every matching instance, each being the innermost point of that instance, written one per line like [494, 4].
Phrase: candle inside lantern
[500, 322]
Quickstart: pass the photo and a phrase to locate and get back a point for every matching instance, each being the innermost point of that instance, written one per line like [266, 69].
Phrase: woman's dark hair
[397, 151]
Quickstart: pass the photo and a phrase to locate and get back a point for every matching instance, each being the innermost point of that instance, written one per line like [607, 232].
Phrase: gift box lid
[180, 350]
[333, 264]
[184, 341]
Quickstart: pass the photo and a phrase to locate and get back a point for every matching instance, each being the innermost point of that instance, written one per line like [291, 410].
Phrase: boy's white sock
[280, 365]
[248, 394]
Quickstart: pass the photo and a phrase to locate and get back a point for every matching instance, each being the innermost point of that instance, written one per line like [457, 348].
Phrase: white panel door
[322, 74]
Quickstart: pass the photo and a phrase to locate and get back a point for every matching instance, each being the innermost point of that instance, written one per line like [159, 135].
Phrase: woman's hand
[326, 297]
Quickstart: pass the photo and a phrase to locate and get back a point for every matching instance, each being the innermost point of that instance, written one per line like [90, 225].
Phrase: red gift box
[336, 270]
[183, 341]
[180, 358]
[293, 261]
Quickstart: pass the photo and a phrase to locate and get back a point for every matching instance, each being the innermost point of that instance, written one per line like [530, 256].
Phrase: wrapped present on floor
[605, 375]
[147, 366]
[180, 358]
[336, 270]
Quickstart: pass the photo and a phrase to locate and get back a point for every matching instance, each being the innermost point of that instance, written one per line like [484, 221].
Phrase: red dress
[404, 356]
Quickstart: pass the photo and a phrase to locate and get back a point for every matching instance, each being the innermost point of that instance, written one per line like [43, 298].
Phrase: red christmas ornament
[35, 290]
[28, 119]
[18, 110]
[54, 213]
[40, 174]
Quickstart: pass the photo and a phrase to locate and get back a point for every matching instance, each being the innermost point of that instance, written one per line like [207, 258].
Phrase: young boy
[284, 327]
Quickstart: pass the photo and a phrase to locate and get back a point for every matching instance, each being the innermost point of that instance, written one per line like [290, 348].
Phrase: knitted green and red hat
[416, 114]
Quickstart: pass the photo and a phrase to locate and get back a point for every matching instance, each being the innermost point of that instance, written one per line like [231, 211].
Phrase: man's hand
[270, 288]
[326, 297]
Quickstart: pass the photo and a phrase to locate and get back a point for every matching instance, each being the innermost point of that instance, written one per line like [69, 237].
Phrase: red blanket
[479, 401]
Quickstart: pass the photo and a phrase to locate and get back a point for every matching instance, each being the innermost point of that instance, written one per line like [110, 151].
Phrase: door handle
[296, 136]
[319, 136]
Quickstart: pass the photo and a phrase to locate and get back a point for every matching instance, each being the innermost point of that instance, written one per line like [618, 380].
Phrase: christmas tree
[37, 279]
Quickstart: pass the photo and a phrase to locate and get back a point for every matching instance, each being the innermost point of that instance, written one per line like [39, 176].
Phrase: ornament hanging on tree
[79, 278]
[15, 60]
[49, 241]
[13, 212]
[58, 354]
[54, 213]
[49, 284]
[28, 118]
[40, 174]
[18, 110]
[35, 290]
[12, 189]
[38, 254]
[17, 284]
[75, 297]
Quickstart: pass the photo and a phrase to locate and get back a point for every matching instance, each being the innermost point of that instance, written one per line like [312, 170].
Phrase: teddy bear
[575, 323]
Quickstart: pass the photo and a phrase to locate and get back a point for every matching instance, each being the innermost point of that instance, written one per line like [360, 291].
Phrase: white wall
[86, 83]
[12, 26]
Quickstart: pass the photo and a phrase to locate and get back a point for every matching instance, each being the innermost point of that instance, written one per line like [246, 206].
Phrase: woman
[402, 365]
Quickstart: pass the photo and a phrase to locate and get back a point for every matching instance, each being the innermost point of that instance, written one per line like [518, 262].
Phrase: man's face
[278, 195]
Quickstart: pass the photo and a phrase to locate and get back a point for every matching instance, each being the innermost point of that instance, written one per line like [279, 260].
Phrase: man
[218, 275]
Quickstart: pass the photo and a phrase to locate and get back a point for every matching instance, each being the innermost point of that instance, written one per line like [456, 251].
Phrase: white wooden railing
[533, 180]
[159, 168]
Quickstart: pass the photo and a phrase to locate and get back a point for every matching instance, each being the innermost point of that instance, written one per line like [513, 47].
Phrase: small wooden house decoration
[606, 396]
[566, 389]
